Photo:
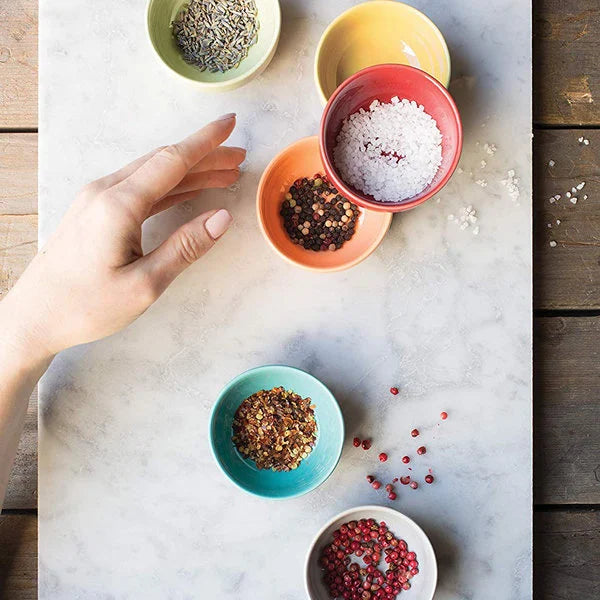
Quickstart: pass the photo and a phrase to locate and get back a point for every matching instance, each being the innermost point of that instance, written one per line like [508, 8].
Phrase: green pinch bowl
[160, 14]
[313, 470]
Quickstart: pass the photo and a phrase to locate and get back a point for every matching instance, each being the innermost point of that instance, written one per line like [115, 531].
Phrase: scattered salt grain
[558, 221]
[585, 196]
[481, 182]
[586, 142]
[580, 140]
[391, 151]
[511, 185]
[581, 185]
[552, 244]
[483, 164]
[557, 197]
[568, 194]
[574, 200]
[551, 163]
[549, 225]
[459, 170]
[476, 230]
[490, 148]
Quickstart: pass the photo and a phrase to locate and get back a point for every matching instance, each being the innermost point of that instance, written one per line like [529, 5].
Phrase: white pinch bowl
[422, 585]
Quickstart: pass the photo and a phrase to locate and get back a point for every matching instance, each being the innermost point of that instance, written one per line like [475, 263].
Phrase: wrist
[22, 347]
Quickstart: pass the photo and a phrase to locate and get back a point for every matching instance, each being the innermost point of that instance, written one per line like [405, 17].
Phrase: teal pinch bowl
[160, 14]
[313, 470]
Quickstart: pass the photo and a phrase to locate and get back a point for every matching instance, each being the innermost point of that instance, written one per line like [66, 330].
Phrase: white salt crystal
[573, 200]
[568, 194]
[581, 185]
[580, 139]
[558, 221]
[391, 152]
[586, 142]
[552, 244]
[551, 163]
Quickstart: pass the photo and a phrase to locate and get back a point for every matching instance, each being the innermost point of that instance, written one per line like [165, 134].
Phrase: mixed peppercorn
[316, 217]
[275, 428]
[372, 541]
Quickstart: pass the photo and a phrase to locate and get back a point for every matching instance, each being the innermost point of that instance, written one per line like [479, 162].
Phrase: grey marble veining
[131, 505]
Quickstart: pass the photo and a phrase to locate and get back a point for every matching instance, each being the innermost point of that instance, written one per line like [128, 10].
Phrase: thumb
[184, 247]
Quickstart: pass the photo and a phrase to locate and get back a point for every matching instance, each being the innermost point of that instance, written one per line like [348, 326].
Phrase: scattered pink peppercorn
[366, 444]
[389, 487]
[414, 432]
[395, 480]
[383, 457]
[370, 478]
[394, 391]
[421, 450]
[392, 496]
[429, 478]
[414, 485]
[376, 485]
[406, 459]
[356, 442]
[443, 415]
[405, 480]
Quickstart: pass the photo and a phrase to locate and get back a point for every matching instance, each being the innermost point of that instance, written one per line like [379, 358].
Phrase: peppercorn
[316, 217]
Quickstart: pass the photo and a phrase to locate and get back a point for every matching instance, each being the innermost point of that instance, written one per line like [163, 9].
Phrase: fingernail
[218, 224]
[226, 117]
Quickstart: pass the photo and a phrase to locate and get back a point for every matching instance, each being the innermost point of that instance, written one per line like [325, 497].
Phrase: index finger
[165, 169]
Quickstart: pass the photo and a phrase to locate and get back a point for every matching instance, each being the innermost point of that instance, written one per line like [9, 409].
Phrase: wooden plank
[18, 63]
[567, 410]
[18, 173]
[566, 557]
[18, 243]
[18, 557]
[21, 492]
[566, 37]
[568, 275]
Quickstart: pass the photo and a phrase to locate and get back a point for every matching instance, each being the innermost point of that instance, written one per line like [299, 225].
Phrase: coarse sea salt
[391, 151]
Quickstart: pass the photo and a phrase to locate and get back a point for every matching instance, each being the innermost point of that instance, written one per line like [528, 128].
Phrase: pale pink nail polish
[218, 224]
[226, 117]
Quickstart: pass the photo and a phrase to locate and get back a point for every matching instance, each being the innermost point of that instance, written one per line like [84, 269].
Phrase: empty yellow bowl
[377, 32]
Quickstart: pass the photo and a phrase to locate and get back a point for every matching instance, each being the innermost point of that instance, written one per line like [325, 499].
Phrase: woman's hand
[92, 278]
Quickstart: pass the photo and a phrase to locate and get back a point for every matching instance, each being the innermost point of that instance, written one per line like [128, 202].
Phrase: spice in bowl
[392, 151]
[275, 428]
[216, 35]
[372, 542]
[316, 217]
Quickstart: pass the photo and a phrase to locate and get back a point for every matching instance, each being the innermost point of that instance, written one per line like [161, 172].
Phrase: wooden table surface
[566, 292]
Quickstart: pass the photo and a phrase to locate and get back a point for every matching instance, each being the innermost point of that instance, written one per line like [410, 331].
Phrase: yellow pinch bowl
[378, 32]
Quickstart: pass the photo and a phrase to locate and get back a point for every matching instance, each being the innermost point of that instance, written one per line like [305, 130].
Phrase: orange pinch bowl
[302, 159]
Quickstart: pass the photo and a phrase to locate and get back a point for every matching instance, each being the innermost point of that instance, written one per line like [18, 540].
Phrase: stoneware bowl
[313, 470]
[422, 585]
[302, 159]
[160, 14]
[378, 32]
[383, 82]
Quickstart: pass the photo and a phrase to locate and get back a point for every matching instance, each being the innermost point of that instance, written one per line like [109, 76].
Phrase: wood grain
[18, 63]
[566, 557]
[18, 243]
[567, 410]
[21, 492]
[18, 173]
[568, 275]
[566, 70]
[18, 557]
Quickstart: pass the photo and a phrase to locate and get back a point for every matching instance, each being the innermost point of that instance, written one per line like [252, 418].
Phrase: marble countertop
[131, 504]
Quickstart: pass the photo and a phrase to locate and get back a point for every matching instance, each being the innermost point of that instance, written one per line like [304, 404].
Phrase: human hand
[92, 278]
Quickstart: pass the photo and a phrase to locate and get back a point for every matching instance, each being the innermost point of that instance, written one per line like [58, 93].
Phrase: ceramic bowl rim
[367, 508]
[216, 85]
[220, 398]
[259, 195]
[327, 32]
[358, 198]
